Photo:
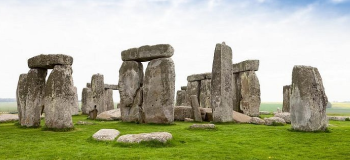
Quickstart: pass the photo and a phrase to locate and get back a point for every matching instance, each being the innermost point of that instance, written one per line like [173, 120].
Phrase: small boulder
[338, 118]
[189, 120]
[284, 115]
[257, 120]
[106, 135]
[110, 115]
[241, 118]
[8, 117]
[203, 126]
[274, 121]
[142, 137]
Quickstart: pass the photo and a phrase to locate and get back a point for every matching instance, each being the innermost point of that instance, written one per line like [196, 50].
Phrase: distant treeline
[7, 99]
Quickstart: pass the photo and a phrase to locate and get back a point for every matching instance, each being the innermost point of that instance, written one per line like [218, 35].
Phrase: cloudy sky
[279, 33]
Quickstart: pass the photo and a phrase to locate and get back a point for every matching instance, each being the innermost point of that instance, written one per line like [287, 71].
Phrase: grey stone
[75, 102]
[308, 100]
[221, 84]
[106, 134]
[158, 91]
[182, 112]
[111, 86]
[248, 65]
[195, 107]
[84, 123]
[274, 120]
[49, 61]
[188, 120]
[236, 91]
[180, 98]
[208, 114]
[35, 97]
[250, 92]
[241, 118]
[97, 88]
[59, 95]
[88, 85]
[8, 118]
[208, 76]
[110, 115]
[203, 126]
[264, 112]
[193, 88]
[184, 88]
[148, 53]
[109, 99]
[338, 118]
[285, 116]
[87, 101]
[286, 98]
[198, 77]
[205, 95]
[144, 137]
[21, 96]
[257, 120]
[130, 91]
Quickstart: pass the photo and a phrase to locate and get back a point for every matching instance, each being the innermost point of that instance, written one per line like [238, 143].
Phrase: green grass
[228, 141]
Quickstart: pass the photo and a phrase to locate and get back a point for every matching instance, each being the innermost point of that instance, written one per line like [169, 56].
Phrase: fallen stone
[250, 92]
[338, 118]
[110, 115]
[195, 107]
[188, 120]
[248, 65]
[257, 120]
[264, 113]
[241, 118]
[203, 126]
[285, 116]
[87, 101]
[49, 61]
[144, 137]
[286, 98]
[274, 121]
[97, 88]
[148, 53]
[182, 112]
[84, 123]
[204, 94]
[8, 118]
[21, 96]
[106, 135]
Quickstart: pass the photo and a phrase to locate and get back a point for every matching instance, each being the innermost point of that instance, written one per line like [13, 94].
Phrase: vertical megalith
[237, 97]
[204, 96]
[86, 101]
[180, 97]
[195, 107]
[35, 97]
[97, 87]
[75, 102]
[286, 98]
[250, 92]
[130, 83]
[221, 84]
[59, 95]
[158, 91]
[109, 99]
[21, 96]
[308, 100]
[193, 88]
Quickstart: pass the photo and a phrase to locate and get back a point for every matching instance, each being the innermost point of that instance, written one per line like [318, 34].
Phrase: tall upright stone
[195, 107]
[286, 98]
[109, 99]
[250, 92]
[180, 98]
[193, 88]
[308, 100]
[204, 96]
[158, 91]
[236, 84]
[21, 96]
[59, 95]
[75, 102]
[87, 101]
[35, 97]
[130, 83]
[97, 87]
[221, 84]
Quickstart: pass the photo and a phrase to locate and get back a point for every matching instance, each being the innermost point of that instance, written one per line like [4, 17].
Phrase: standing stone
[86, 101]
[204, 95]
[35, 97]
[75, 102]
[286, 98]
[308, 100]
[59, 94]
[221, 84]
[180, 97]
[250, 92]
[236, 84]
[193, 88]
[130, 83]
[158, 91]
[195, 107]
[21, 95]
[97, 87]
[109, 99]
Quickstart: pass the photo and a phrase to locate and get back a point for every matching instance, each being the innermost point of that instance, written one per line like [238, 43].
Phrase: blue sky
[280, 34]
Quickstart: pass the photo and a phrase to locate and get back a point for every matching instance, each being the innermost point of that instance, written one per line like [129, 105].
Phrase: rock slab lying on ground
[274, 121]
[143, 137]
[241, 118]
[106, 135]
[110, 115]
[257, 120]
[284, 115]
[202, 126]
[339, 118]
[8, 117]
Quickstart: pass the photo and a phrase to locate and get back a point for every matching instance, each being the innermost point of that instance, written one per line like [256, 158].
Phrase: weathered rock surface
[308, 100]
[195, 107]
[204, 95]
[75, 102]
[84, 123]
[236, 91]
[221, 84]
[286, 98]
[142, 137]
[59, 94]
[35, 97]
[182, 112]
[184, 88]
[109, 99]
[49, 61]
[180, 97]
[202, 126]
[250, 92]
[110, 115]
[208, 114]
[8, 118]
[241, 118]
[21, 96]
[87, 101]
[198, 77]
[257, 120]
[158, 91]
[285, 116]
[130, 83]
[97, 88]
[112, 86]
[339, 118]
[193, 88]
[188, 120]
[148, 53]
[106, 135]
[264, 112]
[274, 121]
[248, 65]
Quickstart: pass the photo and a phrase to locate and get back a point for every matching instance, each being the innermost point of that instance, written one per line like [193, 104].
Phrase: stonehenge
[286, 98]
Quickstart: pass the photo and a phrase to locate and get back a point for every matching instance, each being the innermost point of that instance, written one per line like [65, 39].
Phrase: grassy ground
[229, 141]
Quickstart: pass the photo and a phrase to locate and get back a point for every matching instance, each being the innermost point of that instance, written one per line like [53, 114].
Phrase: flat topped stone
[110, 115]
[248, 65]
[106, 134]
[111, 86]
[274, 121]
[198, 77]
[202, 126]
[49, 61]
[147, 53]
[137, 138]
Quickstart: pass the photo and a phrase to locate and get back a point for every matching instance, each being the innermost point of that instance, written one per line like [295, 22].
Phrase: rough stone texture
[159, 90]
[274, 120]
[21, 96]
[195, 107]
[198, 77]
[49, 61]
[308, 100]
[110, 115]
[87, 101]
[93, 114]
[184, 88]
[188, 120]
[59, 94]
[88, 85]
[208, 76]
[208, 116]
[286, 98]
[236, 91]
[130, 83]
[240, 118]
[35, 97]
[137, 138]
[248, 65]
[339, 118]
[257, 120]
[221, 84]
[75, 102]
[193, 88]
[109, 99]
[148, 53]
[250, 92]
[285, 116]
[180, 97]
[111, 86]
[264, 112]
[106, 135]
[205, 95]
[182, 112]
[8, 118]
[97, 88]
[202, 126]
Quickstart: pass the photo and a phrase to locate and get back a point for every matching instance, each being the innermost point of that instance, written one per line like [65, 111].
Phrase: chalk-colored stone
[106, 135]
[144, 137]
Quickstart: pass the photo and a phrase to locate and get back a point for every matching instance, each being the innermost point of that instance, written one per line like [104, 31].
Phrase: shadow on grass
[57, 129]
